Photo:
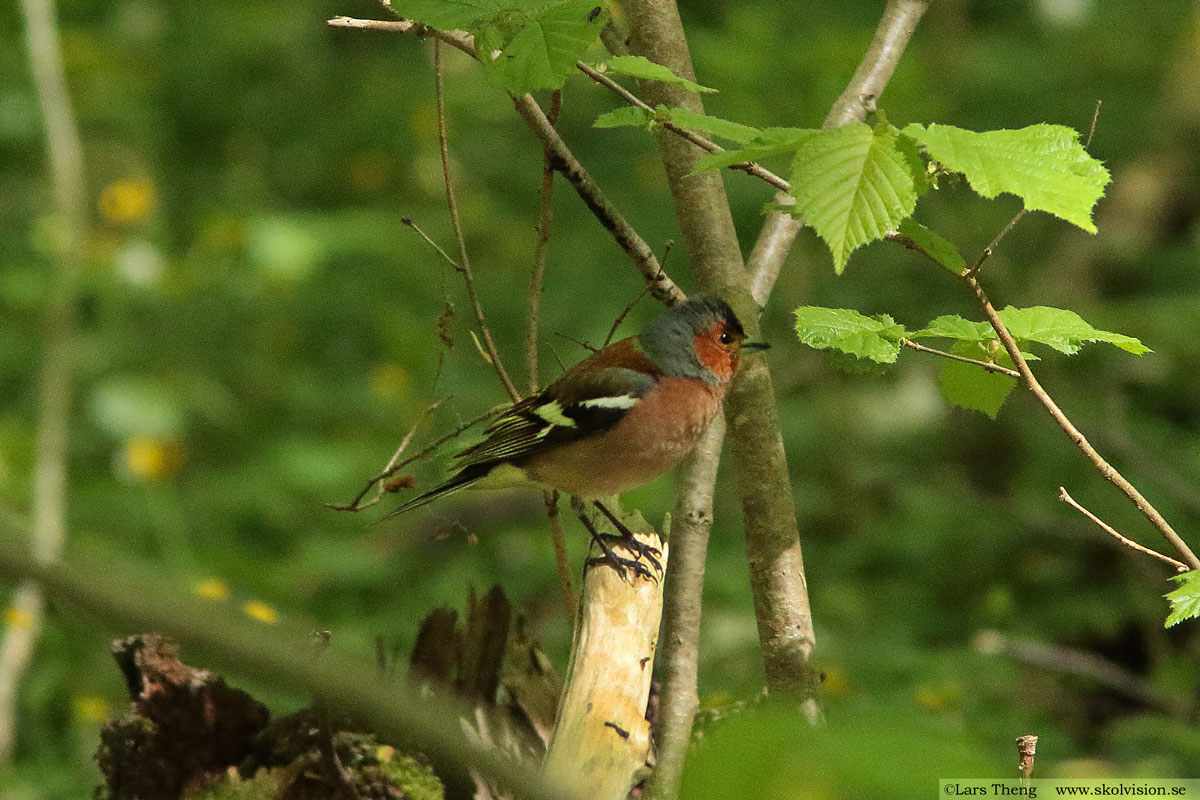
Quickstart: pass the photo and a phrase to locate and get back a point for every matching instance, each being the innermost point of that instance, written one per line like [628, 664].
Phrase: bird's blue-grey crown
[667, 339]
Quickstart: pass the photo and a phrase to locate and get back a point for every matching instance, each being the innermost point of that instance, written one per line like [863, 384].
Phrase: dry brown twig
[464, 262]
[395, 466]
[537, 277]
[661, 286]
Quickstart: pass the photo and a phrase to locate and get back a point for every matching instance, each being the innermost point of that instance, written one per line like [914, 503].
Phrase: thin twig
[457, 39]
[64, 152]
[538, 274]
[991, 248]
[1104, 526]
[554, 519]
[392, 467]
[988, 365]
[463, 260]
[536, 281]
[1087, 143]
[703, 143]
[624, 313]
[1107, 470]
[661, 286]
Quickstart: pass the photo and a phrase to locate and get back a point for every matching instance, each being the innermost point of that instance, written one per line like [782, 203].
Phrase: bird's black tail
[462, 480]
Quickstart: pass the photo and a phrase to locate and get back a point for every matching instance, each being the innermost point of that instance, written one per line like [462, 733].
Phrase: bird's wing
[562, 412]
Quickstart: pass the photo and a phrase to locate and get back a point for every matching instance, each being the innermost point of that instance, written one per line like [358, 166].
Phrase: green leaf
[630, 116]
[876, 338]
[1063, 330]
[544, 47]
[448, 14]
[715, 126]
[769, 142]
[952, 326]
[1044, 165]
[644, 68]
[1185, 601]
[938, 248]
[972, 387]
[853, 185]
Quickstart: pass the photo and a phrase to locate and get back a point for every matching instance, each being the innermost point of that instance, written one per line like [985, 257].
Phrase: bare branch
[1026, 752]
[679, 650]
[1104, 526]
[895, 29]
[538, 273]
[463, 260]
[1106, 469]
[65, 157]
[392, 467]
[991, 248]
[554, 520]
[661, 285]
[460, 40]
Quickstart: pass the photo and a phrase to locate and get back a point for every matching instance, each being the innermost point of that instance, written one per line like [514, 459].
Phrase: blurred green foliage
[258, 331]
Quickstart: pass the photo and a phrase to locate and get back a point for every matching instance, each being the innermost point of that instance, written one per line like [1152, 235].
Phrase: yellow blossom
[212, 589]
[127, 201]
[256, 609]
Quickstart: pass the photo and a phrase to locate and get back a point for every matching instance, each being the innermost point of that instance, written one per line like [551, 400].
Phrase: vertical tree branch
[679, 648]
[702, 209]
[537, 277]
[65, 156]
[895, 29]
[778, 563]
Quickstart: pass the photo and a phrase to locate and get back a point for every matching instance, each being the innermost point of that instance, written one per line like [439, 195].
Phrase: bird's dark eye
[726, 337]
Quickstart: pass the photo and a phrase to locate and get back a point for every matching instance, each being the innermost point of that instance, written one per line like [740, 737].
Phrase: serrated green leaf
[715, 126]
[972, 387]
[1044, 165]
[876, 338]
[645, 69]
[1185, 601]
[449, 14]
[549, 39]
[629, 116]
[938, 248]
[952, 326]
[852, 185]
[1063, 330]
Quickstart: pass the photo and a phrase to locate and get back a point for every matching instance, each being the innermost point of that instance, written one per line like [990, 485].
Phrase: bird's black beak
[755, 344]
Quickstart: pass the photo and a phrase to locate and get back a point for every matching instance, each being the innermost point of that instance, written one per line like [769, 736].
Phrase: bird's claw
[643, 554]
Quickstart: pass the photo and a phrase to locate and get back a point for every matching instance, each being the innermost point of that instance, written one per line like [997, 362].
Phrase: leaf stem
[988, 365]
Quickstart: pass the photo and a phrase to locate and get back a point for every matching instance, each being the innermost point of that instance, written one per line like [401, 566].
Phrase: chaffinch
[617, 419]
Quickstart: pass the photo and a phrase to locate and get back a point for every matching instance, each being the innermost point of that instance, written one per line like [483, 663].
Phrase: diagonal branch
[895, 29]
[1113, 532]
[661, 286]
[703, 143]
[1107, 470]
